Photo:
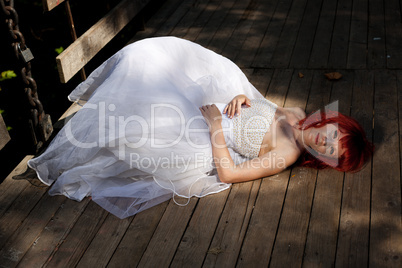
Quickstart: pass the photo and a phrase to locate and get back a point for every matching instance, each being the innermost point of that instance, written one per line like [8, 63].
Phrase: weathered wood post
[4, 136]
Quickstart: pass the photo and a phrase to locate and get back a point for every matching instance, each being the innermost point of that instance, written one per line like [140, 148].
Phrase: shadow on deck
[300, 217]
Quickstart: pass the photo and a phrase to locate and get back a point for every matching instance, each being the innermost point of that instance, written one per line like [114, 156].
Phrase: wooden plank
[287, 40]
[376, 57]
[354, 226]
[271, 37]
[292, 231]
[322, 41]
[239, 34]
[26, 235]
[17, 200]
[320, 92]
[4, 135]
[10, 189]
[357, 55]
[229, 235]
[385, 225]
[393, 30]
[399, 80]
[342, 91]
[141, 229]
[187, 21]
[261, 79]
[324, 220]
[50, 4]
[70, 251]
[208, 31]
[305, 37]
[340, 36]
[299, 89]
[261, 232]
[279, 86]
[53, 234]
[102, 247]
[167, 27]
[323, 228]
[202, 20]
[159, 20]
[18, 210]
[164, 242]
[256, 34]
[228, 26]
[71, 60]
[200, 231]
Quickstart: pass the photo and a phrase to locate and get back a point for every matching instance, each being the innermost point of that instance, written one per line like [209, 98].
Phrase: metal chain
[40, 123]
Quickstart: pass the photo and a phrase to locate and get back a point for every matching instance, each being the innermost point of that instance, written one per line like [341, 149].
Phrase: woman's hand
[212, 116]
[234, 106]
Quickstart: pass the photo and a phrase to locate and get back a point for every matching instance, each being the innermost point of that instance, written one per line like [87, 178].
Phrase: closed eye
[335, 134]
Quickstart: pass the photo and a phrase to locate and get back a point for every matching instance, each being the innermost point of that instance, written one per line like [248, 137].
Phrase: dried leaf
[215, 251]
[301, 75]
[333, 76]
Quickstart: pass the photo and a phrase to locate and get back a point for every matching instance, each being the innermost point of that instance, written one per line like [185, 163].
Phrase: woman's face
[324, 140]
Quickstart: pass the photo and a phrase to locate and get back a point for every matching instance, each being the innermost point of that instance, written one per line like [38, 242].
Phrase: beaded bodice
[250, 126]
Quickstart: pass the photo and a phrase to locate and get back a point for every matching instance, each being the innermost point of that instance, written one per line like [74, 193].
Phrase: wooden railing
[50, 4]
[82, 50]
[4, 136]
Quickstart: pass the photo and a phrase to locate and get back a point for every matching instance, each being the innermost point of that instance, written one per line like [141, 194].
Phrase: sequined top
[250, 126]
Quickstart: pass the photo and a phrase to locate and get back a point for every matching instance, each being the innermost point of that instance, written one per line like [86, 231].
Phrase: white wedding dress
[140, 138]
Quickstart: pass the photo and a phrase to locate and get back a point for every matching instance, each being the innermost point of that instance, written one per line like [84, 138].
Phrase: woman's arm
[270, 163]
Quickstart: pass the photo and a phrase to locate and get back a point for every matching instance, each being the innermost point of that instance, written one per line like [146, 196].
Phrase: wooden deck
[299, 217]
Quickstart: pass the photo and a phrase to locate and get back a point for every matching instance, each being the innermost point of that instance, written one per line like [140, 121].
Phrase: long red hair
[357, 148]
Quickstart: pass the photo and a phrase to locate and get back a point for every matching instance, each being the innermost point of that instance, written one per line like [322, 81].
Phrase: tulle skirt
[139, 138]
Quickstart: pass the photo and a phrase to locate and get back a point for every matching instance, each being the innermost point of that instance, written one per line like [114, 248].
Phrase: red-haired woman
[323, 139]
[163, 117]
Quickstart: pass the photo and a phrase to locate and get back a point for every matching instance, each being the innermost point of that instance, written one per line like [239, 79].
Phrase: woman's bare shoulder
[298, 112]
[292, 114]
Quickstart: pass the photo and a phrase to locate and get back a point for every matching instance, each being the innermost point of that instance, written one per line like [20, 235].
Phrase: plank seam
[216, 227]
[145, 248]
[184, 232]
[121, 239]
[248, 224]
[280, 218]
[339, 221]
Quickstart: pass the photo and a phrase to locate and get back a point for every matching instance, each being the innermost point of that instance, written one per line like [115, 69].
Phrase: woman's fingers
[236, 108]
[239, 103]
[232, 109]
[248, 103]
[228, 109]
